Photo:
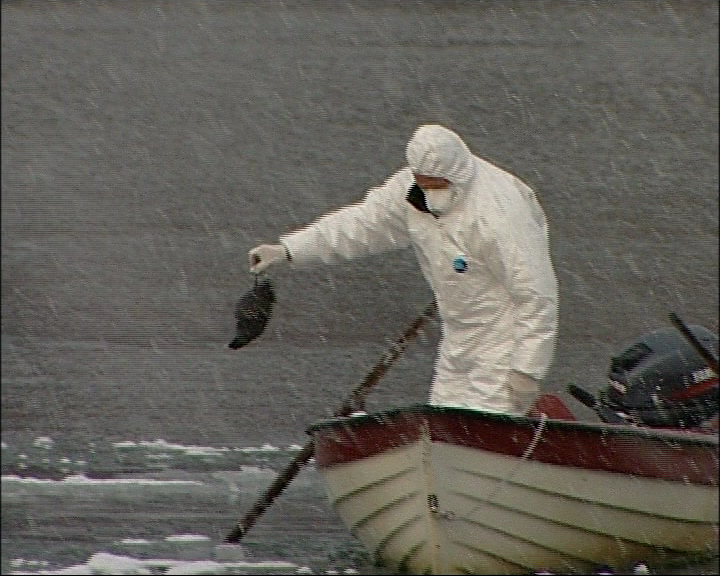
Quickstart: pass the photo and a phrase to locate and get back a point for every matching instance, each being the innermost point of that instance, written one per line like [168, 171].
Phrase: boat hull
[433, 490]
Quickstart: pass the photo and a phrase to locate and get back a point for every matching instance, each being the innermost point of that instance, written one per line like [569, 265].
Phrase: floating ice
[44, 442]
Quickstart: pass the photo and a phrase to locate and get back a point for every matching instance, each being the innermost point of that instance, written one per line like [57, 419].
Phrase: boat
[445, 490]
[439, 490]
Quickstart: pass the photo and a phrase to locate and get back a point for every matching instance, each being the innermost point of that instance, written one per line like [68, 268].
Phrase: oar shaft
[706, 355]
[357, 396]
[351, 402]
[275, 489]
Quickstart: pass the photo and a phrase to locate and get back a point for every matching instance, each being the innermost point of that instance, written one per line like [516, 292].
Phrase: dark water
[147, 146]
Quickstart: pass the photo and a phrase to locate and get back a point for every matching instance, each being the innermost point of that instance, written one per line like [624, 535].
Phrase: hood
[434, 150]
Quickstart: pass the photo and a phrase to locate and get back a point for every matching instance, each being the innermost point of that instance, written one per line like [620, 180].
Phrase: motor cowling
[663, 381]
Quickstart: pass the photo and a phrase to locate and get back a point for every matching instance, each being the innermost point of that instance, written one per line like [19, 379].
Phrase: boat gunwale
[669, 455]
[692, 436]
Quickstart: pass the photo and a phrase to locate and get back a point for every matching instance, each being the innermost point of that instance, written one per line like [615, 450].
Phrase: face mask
[438, 201]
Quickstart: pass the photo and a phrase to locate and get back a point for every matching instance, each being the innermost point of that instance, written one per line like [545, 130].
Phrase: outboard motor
[663, 381]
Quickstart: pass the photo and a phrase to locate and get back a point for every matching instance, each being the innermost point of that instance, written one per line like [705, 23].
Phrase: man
[481, 240]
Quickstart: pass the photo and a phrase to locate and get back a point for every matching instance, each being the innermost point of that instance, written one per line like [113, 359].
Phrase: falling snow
[149, 144]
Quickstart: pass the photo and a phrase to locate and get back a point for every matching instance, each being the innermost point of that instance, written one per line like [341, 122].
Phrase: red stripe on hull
[680, 457]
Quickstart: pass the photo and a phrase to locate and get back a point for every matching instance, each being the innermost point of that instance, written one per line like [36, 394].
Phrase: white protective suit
[486, 258]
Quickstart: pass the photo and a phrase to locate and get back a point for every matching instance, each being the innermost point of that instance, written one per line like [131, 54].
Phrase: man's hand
[524, 390]
[265, 255]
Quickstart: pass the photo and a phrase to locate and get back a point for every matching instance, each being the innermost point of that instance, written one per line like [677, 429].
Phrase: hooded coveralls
[486, 258]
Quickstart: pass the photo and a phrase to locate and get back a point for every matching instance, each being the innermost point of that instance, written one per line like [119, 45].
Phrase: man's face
[431, 182]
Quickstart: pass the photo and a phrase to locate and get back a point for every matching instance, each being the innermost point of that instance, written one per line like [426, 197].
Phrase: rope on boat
[449, 515]
[536, 438]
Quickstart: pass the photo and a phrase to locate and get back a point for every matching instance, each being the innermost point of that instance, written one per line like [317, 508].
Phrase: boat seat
[552, 406]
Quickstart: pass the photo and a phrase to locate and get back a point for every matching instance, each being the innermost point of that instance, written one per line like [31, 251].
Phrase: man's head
[436, 153]
[439, 192]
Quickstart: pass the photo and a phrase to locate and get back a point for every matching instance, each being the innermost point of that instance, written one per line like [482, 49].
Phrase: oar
[706, 355]
[354, 401]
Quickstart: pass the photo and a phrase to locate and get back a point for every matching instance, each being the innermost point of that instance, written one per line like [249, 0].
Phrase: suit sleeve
[374, 225]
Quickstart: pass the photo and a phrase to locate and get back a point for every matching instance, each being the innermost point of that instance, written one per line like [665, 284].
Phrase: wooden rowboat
[439, 490]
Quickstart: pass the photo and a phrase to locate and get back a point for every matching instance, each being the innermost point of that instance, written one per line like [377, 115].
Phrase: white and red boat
[441, 490]
[432, 490]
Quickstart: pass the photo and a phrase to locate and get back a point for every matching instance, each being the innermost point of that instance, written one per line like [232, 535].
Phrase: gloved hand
[263, 256]
[524, 390]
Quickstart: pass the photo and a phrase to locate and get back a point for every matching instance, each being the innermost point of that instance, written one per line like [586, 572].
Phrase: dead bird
[252, 312]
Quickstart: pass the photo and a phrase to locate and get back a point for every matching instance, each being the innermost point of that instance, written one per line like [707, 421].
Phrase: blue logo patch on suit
[460, 263]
